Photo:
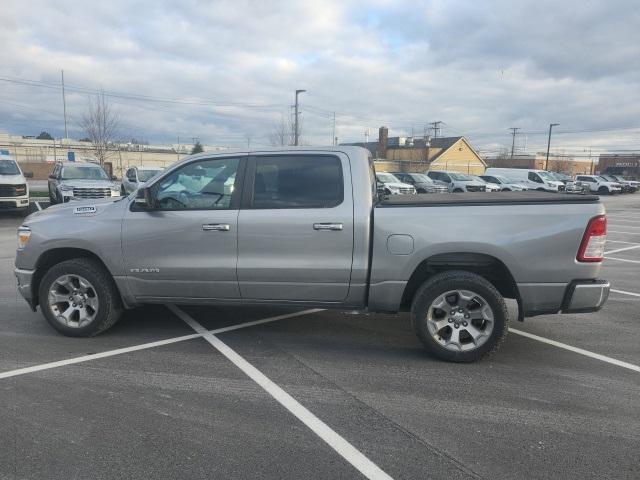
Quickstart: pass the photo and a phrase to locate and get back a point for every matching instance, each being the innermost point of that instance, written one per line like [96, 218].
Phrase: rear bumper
[578, 296]
[25, 278]
[584, 296]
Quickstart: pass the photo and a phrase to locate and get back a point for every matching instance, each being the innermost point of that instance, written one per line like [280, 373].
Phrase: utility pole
[514, 131]
[333, 134]
[64, 107]
[436, 128]
[591, 165]
[546, 163]
[295, 131]
[366, 135]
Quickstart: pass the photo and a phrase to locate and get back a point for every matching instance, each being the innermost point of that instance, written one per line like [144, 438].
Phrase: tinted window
[298, 182]
[203, 185]
[534, 177]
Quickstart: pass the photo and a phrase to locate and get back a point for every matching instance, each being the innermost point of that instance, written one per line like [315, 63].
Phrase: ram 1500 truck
[308, 227]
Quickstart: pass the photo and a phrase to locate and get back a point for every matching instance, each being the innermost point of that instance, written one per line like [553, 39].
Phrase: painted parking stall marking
[622, 249]
[145, 346]
[581, 351]
[326, 433]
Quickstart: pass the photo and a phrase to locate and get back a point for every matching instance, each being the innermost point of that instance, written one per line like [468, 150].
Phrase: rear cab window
[297, 181]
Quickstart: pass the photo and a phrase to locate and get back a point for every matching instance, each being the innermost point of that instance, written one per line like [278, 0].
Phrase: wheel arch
[487, 266]
[54, 256]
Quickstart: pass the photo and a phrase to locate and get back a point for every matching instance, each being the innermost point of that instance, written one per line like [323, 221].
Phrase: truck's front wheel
[459, 316]
[78, 298]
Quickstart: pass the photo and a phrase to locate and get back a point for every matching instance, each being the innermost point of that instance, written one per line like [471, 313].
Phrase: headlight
[66, 188]
[23, 237]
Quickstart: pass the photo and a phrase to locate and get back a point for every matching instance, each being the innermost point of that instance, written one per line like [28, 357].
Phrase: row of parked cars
[78, 180]
[502, 180]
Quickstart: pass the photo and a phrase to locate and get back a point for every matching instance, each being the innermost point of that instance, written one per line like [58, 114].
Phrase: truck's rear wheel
[459, 316]
[78, 298]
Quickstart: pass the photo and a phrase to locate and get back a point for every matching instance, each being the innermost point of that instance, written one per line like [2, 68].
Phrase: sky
[226, 71]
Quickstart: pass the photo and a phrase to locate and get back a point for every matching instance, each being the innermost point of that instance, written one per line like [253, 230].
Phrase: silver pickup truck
[308, 227]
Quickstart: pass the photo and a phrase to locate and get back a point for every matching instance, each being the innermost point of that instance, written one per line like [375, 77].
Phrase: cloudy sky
[225, 71]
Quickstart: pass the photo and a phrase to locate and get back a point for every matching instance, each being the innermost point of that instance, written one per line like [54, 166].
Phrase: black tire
[541, 189]
[52, 199]
[110, 305]
[603, 191]
[506, 189]
[462, 280]
[123, 193]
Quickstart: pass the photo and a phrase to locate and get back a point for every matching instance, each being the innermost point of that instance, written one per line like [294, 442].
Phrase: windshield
[9, 167]
[387, 178]
[502, 179]
[420, 178]
[546, 176]
[84, 173]
[461, 177]
[144, 175]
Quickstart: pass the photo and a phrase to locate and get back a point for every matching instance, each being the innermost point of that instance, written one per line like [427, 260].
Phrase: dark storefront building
[627, 165]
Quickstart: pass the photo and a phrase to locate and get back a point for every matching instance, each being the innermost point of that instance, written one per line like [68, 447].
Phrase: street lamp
[295, 132]
[546, 163]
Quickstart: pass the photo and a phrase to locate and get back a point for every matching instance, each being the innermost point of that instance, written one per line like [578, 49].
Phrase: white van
[14, 190]
[534, 179]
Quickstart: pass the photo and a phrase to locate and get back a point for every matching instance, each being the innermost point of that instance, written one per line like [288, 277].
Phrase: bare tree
[101, 124]
[282, 133]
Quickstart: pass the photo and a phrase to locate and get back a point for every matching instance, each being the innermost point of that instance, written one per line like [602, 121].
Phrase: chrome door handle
[215, 227]
[327, 226]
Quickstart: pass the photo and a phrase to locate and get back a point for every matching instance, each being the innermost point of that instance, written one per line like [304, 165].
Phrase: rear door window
[297, 181]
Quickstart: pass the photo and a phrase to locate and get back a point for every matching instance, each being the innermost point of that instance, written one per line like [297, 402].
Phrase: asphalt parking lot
[320, 394]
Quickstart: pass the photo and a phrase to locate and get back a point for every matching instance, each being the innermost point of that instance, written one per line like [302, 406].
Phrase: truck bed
[484, 198]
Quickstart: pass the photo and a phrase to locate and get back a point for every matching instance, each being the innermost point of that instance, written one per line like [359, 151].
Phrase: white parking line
[622, 250]
[350, 453]
[619, 231]
[581, 351]
[622, 220]
[626, 293]
[38, 205]
[620, 241]
[145, 346]
[625, 226]
[622, 260]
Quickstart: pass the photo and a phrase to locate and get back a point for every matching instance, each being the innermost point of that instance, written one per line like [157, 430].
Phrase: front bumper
[584, 296]
[25, 278]
[14, 203]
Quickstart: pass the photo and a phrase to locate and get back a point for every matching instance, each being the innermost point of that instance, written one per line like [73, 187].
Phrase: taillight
[593, 241]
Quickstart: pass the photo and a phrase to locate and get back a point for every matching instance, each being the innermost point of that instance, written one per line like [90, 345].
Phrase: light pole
[546, 163]
[295, 131]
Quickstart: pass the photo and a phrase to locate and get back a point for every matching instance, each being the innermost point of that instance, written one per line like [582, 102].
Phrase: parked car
[135, 177]
[504, 183]
[621, 179]
[540, 180]
[627, 187]
[422, 183]
[392, 185]
[457, 182]
[304, 226]
[600, 184]
[77, 180]
[14, 190]
[489, 187]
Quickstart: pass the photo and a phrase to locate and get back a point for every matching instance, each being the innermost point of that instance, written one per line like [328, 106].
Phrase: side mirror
[28, 174]
[52, 177]
[144, 199]
[113, 177]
